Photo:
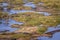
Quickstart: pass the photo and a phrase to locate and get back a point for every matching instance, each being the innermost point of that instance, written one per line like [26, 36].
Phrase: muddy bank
[7, 39]
[27, 30]
[27, 36]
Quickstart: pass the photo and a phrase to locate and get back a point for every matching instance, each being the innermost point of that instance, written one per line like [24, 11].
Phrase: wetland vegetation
[28, 19]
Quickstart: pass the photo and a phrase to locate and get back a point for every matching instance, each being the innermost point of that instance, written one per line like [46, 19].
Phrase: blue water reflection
[4, 26]
[55, 36]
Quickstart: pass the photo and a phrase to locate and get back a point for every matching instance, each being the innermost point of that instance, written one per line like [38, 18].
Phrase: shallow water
[30, 4]
[4, 26]
[12, 11]
[55, 36]
[22, 11]
[3, 4]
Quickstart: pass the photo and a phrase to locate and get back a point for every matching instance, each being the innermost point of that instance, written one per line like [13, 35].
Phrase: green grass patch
[35, 19]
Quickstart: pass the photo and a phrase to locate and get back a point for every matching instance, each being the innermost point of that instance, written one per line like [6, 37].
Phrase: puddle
[19, 11]
[3, 4]
[5, 26]
[22, 11]
[56, 36]
[30, 4]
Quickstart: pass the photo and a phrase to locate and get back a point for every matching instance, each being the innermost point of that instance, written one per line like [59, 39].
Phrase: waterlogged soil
[4, 26]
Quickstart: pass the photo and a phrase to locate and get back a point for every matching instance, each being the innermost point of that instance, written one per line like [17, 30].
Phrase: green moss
[41, 30]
